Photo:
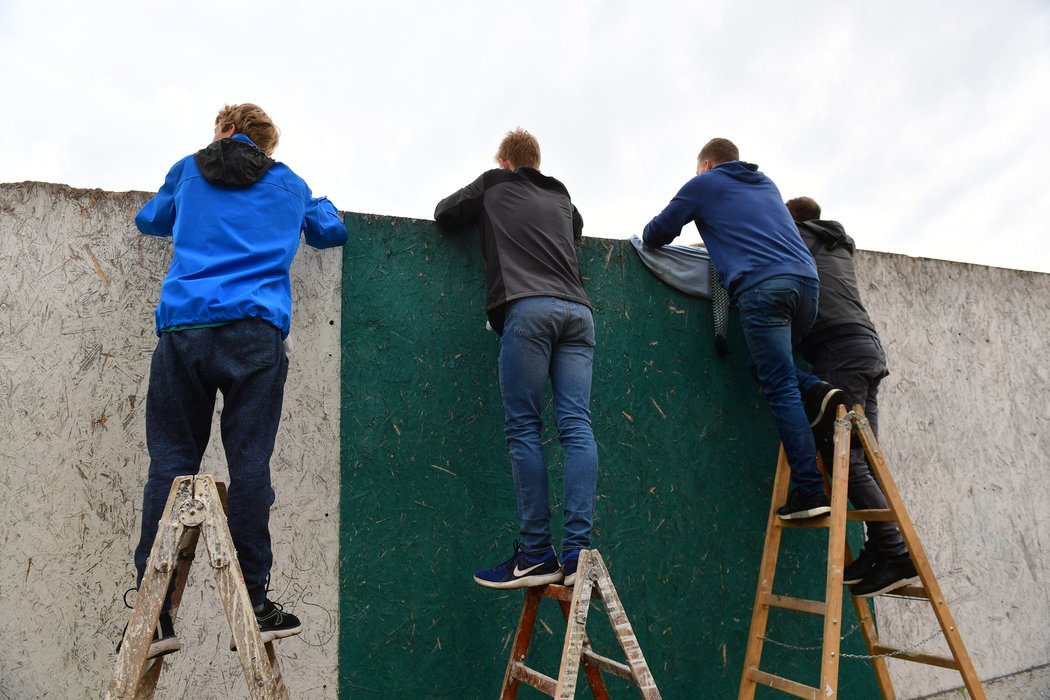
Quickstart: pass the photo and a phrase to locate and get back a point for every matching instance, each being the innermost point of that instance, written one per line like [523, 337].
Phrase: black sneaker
[860, 567]
[522, 570]
[570, 561]
[821, 402]
[274, 623]
[799, 506]
[164, 639]
[887, 575]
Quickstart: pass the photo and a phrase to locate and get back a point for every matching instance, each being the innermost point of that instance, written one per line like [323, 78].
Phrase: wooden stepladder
[592, 580]
[831, 608]
[195, 508]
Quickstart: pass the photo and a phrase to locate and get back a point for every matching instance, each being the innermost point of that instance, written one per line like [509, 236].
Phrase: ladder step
[919, 658]
[873, 515]
[784, 684]
[608, 665]
[815, 607]
[540, 681]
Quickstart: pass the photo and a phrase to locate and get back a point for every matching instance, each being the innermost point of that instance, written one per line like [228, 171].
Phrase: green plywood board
[686, 449]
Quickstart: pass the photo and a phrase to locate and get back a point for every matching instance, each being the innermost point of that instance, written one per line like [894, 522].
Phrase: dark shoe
[522, 570]
[164, 639]
[799, 506]
[274, 623]
[569, 563]
[887, 575]
[860, 567]
[821, 402]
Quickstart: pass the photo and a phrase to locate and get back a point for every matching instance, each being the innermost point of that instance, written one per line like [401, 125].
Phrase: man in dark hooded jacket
[844, 349]
[235, 217]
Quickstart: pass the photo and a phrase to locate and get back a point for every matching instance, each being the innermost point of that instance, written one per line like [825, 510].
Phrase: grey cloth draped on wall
[690, 271]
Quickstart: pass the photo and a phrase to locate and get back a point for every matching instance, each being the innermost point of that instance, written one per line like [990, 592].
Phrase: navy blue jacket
[741, 216]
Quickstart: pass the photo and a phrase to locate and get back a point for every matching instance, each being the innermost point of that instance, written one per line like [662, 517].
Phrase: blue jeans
[244, 360]
[549, 338]
[857, 364]
[774, 315]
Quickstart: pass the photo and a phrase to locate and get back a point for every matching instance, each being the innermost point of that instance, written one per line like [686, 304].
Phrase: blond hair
[520, 149]
[253, 122]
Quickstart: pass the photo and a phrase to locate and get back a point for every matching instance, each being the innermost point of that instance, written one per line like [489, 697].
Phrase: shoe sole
[803, 514]
[163, 647]
[569, 579]
[272, 635]
[523, 582]
[835, 395]
[900, 583]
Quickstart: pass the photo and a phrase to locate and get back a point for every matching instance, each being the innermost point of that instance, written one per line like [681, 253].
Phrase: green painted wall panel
[686, 447]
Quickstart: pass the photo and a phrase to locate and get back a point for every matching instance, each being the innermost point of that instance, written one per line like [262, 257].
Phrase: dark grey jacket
[841, 312]
[529, 228]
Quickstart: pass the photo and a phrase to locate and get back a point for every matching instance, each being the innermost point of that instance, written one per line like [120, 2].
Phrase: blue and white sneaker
[522, 570]
[569, 562]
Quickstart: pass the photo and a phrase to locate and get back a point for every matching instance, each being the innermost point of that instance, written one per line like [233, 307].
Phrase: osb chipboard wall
[686, 447]
[78, 286]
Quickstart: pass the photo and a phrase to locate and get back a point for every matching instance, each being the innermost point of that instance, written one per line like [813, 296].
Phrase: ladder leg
[767, 571]
[593, 673]
[871, 638]
[522, 639]
[829, 666]
[131, 659]
[918, 556]
[576, 628]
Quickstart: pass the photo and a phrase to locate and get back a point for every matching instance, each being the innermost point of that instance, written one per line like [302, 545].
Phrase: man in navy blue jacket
[772, 279]
[235, 217]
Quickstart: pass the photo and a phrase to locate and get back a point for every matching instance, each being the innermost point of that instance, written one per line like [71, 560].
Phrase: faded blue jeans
[774, 315]
[245, 360]
[546, 338]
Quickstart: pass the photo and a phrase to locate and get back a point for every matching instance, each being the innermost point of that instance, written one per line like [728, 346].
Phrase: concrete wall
[77, 290]
[963, 422]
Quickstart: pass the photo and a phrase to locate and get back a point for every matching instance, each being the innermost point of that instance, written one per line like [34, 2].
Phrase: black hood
[232, 163]
[829, 233]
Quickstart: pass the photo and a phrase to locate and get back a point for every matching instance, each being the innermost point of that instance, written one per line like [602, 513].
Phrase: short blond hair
[520, 149]
[253, 122]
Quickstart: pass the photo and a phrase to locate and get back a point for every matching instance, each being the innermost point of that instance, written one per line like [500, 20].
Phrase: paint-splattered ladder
[592, 580]
[831, 608]
[195, 507]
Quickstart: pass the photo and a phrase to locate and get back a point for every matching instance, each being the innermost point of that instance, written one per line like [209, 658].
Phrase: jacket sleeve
[667, 225]
[322, 224]
[462, 208]
[157, 217]
[577, 224]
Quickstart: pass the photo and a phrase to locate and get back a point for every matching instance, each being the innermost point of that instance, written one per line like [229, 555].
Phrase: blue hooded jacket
[235, 217]
[746, 227]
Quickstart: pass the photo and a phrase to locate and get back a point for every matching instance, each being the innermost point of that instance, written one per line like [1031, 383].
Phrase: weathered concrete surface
[77, 290]
[1033, 684]
[963, 420]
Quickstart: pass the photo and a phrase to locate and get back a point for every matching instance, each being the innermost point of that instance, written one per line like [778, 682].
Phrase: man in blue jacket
[235, 217]
[772, 279]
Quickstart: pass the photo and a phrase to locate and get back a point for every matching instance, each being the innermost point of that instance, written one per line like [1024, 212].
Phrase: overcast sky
[921, 126]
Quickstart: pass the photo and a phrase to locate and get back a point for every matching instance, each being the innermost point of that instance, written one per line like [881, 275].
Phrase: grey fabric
[690, 271]
[685, 269]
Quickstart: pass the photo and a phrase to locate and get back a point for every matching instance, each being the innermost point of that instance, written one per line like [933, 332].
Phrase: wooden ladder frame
[592, 580]
[195, 508]
[831, 607]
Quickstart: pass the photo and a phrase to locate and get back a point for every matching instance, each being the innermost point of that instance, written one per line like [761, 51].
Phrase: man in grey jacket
[536, 302]
[844, 349]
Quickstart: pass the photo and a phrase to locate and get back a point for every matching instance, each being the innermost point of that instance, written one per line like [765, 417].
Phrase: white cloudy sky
[921, 125]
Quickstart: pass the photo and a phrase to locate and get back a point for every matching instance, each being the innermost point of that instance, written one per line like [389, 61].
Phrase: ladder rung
[608, 665]
[872, 515]
[540, 681]
[784, 684]
[816, 607]
[821, 521]
[928, 659]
